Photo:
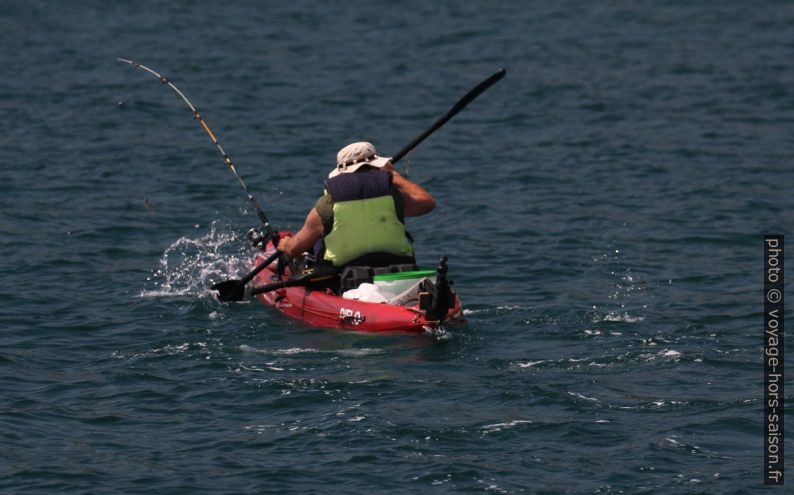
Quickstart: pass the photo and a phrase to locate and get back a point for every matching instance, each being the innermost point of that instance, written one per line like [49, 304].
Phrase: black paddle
[460, 105]
[234, 290]
[318, 277]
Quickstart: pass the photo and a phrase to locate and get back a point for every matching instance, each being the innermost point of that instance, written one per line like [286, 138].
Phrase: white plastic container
[402, 288]
[366, 293]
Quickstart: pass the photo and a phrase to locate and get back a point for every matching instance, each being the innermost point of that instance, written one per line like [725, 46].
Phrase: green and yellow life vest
[362, 214]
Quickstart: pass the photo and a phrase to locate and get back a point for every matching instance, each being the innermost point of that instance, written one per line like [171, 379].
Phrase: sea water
[602, 208]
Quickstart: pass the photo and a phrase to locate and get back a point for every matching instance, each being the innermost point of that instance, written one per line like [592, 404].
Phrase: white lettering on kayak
[349, 316]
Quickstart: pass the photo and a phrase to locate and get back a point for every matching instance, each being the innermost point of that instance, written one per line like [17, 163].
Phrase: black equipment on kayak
[435, 299]
[258, 240]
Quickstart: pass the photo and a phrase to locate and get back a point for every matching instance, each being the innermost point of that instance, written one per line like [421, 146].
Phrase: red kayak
[320, 307]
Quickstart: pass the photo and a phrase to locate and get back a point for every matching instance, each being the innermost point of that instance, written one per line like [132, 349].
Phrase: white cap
[353, 156]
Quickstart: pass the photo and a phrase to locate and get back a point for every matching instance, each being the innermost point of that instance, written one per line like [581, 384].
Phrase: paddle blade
[230, 290]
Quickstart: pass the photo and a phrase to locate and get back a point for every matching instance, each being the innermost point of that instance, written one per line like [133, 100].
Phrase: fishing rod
[196, 115]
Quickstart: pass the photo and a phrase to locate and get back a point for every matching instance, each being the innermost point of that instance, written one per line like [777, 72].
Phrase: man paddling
[360, 218]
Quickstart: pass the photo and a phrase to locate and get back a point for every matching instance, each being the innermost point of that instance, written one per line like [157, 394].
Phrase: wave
[294, 351]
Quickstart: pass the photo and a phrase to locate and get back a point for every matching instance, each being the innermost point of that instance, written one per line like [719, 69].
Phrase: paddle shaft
[274, 286]
[303, 280]
[460, 105]
[261, 266]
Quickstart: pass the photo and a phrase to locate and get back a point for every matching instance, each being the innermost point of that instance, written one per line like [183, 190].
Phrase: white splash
[439, 333]
[624, 318]
[189, 266]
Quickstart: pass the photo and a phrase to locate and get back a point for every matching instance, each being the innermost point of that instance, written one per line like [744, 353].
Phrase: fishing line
[203, 123]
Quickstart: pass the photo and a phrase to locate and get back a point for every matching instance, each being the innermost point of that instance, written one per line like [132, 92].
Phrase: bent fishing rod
[196, 115]
[233, 289]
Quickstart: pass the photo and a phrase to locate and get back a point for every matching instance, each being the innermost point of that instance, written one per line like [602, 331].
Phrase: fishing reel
[257, 238]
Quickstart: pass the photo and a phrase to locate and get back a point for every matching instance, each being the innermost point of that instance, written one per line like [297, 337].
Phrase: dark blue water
[602, 207]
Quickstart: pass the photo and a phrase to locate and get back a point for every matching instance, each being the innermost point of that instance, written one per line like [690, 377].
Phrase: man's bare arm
[304, 239]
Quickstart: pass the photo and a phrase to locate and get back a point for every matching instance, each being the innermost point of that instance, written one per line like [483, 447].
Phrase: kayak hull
[322, 308]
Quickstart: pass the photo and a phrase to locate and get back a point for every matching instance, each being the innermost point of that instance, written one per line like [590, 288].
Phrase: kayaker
[360, 217]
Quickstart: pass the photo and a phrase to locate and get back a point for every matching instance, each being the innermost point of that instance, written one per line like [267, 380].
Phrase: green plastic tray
[387, 277]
